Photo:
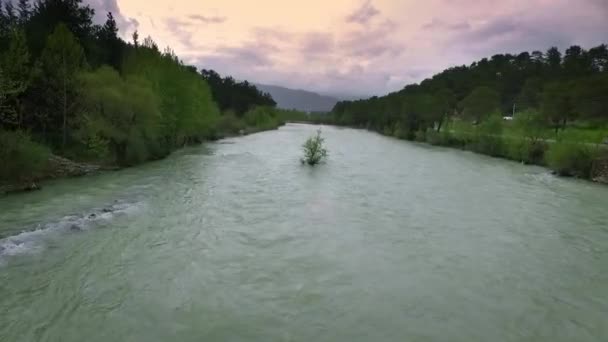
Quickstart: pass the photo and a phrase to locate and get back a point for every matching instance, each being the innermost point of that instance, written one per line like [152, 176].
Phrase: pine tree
[9, 12]
[135, 39]
[25, 11]
[4, 27]
[15, 65]
[8, 89]
[554, 58]
[110, 28]
[112, 46]
[61, 59]
[15, 61]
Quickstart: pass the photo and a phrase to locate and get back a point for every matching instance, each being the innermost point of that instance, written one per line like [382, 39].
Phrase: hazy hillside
[299, 99]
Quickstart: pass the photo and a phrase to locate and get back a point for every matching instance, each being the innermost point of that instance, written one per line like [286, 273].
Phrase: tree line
[559, 88]
[71, 87]
[556, 106]
[235, 96]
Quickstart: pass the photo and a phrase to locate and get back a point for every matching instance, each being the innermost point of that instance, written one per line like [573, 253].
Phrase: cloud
[125, 24]
[438, 24]
[236, 60]
[247, 55]
[363, 14]
[207, 20]
[181, 31]
[495, 28]
[601, 5]
[316, 60]
[365, 48]
[537, 28]
[184, 29]
[317, 45]
[372, 41]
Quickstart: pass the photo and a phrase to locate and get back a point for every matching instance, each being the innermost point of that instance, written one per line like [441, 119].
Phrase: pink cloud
[372, 46]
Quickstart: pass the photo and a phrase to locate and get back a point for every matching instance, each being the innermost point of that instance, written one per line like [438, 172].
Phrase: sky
[354, 47]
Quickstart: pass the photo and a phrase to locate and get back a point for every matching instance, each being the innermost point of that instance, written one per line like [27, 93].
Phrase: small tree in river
[314, 151]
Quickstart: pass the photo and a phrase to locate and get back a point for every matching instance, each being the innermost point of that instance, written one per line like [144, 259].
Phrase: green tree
[556, 105]
[527, 145]
[10, 14]
[48, 14]
[25, 11]
[599, 58]
[530, 124]
[16, 69]
[122, 117]
[22, 159]
[4, 26]
[577, 62]
[480, 103]
[189, 114]
[589, 97]
[423, 111]
[447, 104]
[61, 60]
[239, 97]
[554, 59]
[135, 39]
[110, 46]
[314, 151]
[529, 97]
[8, 90]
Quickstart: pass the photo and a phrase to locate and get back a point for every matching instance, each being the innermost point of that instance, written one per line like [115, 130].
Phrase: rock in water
[32, 187]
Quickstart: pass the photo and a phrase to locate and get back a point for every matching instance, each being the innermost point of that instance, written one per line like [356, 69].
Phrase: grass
[573, 151]
[571, 159]
[22, 159]
[574, 133]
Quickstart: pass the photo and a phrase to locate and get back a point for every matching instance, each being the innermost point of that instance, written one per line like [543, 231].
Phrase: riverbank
[57, 167]
[564, 158]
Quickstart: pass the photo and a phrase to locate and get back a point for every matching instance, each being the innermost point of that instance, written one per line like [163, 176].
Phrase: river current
[237, 241]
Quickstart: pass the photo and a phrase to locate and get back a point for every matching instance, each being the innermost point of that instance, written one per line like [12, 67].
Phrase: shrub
[530, 124]
[98, 147]
[434, 138]
[420, 136]
[571, 159]
[123, 121]
[314, 151]
[229, 123]
[489, 137]
[136, 150]
[262, 118]
[399, 132]
[443, 138]
[525, 150]
[22, 159]
[388, 131]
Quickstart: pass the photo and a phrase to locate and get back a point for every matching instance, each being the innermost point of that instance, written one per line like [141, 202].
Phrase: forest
[71, 88]
[543, 108]
[75, 89]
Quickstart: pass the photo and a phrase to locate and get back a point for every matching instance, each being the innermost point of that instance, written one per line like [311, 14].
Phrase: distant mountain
[299, 99]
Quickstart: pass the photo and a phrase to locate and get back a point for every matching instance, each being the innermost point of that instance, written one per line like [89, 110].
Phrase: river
[236, 241]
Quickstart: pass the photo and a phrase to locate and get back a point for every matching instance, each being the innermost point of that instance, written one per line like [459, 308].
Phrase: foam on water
[33, 240]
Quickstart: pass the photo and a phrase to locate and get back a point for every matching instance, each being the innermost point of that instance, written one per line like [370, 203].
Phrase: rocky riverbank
[60, 167]
[57, 167]
[600, 171]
